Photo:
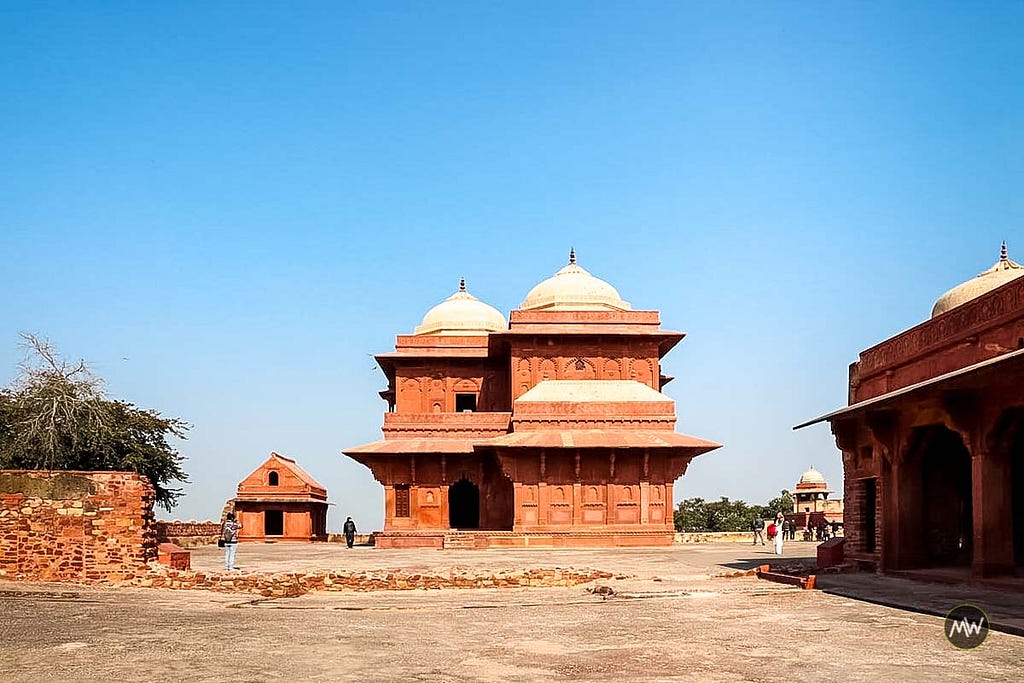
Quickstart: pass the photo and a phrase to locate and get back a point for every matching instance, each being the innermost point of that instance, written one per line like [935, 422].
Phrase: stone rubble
[293, 584]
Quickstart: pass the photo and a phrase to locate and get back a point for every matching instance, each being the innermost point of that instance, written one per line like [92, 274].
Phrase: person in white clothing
[780, 519]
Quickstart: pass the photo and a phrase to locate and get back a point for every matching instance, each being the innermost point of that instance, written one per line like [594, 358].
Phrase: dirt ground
[672, 620]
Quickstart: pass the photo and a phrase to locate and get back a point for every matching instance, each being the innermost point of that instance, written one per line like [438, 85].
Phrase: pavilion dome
[812, 477]
[462, 314]
[573, 289]
[1002, 272]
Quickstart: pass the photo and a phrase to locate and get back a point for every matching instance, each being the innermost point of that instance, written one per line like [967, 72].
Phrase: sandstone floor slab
[671, 621]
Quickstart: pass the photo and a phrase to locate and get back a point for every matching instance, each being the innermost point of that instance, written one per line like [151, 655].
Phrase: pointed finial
[462, 284]
[1002, 252]
[572, 255]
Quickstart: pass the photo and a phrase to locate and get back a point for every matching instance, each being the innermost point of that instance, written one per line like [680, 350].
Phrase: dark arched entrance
[1008, 444]
[497, 492]
[948, 524]
[1017, 494]
[464, 505]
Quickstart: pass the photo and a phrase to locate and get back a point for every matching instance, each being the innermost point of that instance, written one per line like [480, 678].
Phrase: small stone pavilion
[279, 501]
[933, 437]
[811, 502]
[547, 429]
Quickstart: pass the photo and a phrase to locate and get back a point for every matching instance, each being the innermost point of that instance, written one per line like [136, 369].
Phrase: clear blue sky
[227, 208]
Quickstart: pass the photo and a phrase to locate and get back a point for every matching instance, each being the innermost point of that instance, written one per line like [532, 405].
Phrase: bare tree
[55, 416]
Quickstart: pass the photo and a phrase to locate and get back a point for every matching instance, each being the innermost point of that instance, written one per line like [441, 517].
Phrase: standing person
[350, 532]
[779, 521]
[229, 532]
[757, 526]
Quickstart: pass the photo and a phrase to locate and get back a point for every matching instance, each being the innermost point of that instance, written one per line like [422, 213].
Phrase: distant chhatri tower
[811, 504]
[549, 429]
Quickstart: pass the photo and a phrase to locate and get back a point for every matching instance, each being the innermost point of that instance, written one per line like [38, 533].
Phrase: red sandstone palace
[933, 438]
[547, 429]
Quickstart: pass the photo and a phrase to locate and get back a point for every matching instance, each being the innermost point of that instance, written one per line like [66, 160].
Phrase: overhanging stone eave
[943, 381]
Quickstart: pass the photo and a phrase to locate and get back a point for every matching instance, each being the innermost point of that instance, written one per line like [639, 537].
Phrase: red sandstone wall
[569, 359]
[58, 526]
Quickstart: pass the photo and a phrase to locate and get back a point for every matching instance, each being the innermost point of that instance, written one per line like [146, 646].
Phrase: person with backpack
[757, 526]
[229, 536]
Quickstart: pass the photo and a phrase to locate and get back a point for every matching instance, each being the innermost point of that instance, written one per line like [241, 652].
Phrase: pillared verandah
[933, 437]
[548, 429]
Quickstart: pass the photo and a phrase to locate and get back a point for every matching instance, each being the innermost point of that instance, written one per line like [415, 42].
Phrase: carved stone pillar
[517, 505]
[992, 508]
[645, 502]
[577, 503]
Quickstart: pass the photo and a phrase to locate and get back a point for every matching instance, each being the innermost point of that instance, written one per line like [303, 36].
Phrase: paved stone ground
[687, 627]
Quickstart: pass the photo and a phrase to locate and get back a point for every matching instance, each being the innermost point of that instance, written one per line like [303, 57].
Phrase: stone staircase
[459, 541]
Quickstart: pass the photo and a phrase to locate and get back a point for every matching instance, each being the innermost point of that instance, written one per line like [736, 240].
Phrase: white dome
[573, 289]
[1002, 272]
[462, 314]
[812, 476]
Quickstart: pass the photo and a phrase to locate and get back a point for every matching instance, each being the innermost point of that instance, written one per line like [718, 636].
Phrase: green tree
[783, 504]
[55, 416]
[690, 515]
[696, 514]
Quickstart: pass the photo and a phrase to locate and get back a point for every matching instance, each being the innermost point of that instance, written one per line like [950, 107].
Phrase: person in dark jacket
[350, 532]
[757, 526]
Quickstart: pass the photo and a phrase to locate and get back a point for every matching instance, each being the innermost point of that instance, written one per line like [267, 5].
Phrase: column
[992, 508]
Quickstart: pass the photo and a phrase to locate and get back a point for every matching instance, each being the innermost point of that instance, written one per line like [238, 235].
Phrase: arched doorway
[464, 505]
[1007, 445]
[498, 496]
[945, 475]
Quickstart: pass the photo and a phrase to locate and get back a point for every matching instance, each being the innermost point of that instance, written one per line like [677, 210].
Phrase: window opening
[465, 403]
[401, 500]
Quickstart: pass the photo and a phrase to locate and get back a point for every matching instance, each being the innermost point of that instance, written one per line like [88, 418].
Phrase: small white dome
[573, 289]
[462, 314]
[812, 476]
[998, 275]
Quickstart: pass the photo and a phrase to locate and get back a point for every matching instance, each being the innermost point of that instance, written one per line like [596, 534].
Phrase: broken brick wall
[57, 526]
[191, 534]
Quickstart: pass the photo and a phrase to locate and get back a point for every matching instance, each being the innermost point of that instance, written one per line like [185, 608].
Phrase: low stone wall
[360, 539]
[714, 537]
[291, 584]
[75, 526]
[190, 534]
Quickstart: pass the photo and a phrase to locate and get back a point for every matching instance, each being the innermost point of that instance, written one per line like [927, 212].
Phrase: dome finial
[462, 284]
[572, 255]
[1002, 253]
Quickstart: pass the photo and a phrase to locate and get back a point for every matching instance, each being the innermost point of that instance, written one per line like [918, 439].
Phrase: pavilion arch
[935, 507]
[464, 505]
[1006, 446]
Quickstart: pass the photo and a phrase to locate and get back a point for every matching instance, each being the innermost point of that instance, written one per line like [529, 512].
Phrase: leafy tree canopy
[55, 416]
[696, 514]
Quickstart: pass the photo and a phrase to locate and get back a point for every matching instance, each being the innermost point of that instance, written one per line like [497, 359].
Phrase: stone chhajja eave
[549, 438]
[957, 379]
[264, 498]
